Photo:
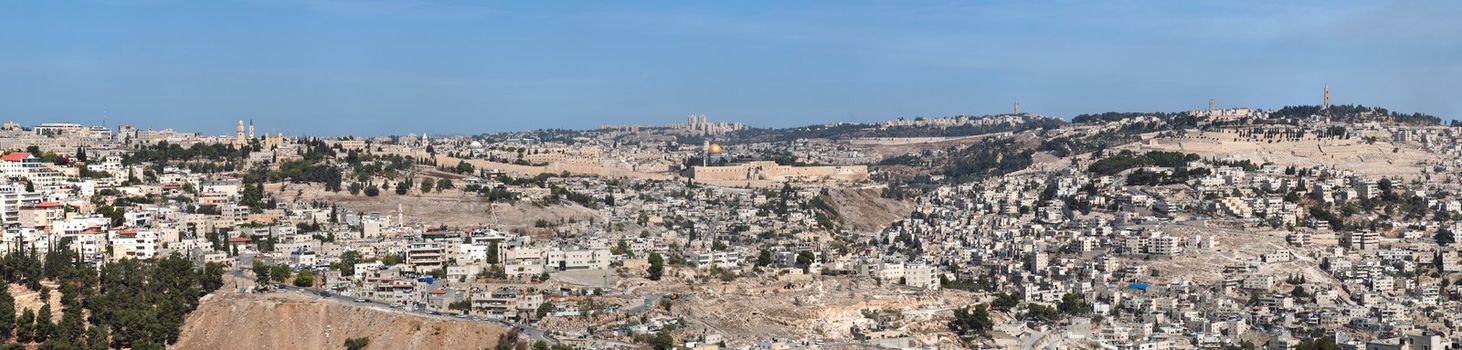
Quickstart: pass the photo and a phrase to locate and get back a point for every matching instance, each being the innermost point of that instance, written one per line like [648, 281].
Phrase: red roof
[15, 157]
[47, 205]
[239, 239]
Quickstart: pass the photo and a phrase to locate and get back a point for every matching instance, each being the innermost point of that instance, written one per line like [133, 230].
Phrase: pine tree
[492, 252]
[97, 338]
[44, 329]
[72, 326]
[657, 266]
[403, 187]
[25, 326]
[7, 312]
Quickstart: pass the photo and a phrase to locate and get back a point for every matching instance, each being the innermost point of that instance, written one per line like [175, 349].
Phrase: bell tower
[1327, 98]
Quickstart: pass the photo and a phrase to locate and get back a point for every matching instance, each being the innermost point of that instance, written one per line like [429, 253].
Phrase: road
[533, 333]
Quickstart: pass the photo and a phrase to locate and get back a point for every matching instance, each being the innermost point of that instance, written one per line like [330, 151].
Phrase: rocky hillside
[863, 209]
[288, 320]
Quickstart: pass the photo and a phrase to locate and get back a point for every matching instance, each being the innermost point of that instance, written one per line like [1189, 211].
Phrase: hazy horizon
[443, 67]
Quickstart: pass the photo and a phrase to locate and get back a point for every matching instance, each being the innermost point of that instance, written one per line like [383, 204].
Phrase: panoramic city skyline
[371, 68]
[748, 175]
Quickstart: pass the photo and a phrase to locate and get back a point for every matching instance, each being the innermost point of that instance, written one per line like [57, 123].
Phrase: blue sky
[334, 67]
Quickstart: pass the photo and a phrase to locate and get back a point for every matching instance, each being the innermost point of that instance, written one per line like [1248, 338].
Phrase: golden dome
[715, 148]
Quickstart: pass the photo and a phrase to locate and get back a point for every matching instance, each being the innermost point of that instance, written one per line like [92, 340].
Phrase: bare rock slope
[864, 210]
[292, 321]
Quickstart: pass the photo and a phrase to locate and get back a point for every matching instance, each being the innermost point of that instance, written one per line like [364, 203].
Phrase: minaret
[239, 136]
[1327, 97]
[705, 152]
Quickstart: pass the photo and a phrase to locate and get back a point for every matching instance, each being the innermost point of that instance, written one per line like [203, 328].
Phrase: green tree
[97, 338]
[1005, 301]
[44, 329]
[25, 326]
[1040, 312]
[445, 184]
[1074, 304]
[403, 187]
[972, 321]
[253, 195]
[56, 344]
[347, 262]
[764, 258]
[7, 312]
[261, 274]
[662, 341]
[657, 266]
[426, 185]
[805, 259]
[72, 327]
[279, 273]
[544, 308]
[1299, 292]
[357, 343]
[492, 252]
[304, 279]
[212, 277]
[622, 248]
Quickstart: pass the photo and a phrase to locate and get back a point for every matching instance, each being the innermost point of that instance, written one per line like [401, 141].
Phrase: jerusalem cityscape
[702, 176]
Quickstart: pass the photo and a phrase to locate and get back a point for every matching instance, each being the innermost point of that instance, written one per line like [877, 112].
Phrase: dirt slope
[25, 298]
[288, 320]
[864, 210]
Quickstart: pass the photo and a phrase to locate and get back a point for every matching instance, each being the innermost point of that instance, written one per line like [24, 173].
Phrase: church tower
[251, 129]
[1327, 97]
[1017, 107]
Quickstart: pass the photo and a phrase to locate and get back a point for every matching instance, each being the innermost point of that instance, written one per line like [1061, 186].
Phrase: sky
[338, 67]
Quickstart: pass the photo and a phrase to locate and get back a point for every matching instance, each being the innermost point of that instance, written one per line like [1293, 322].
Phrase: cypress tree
[7, 312]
